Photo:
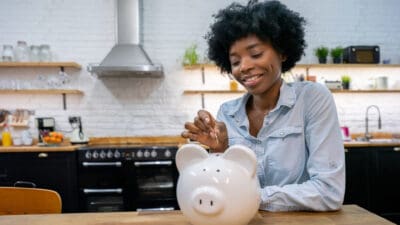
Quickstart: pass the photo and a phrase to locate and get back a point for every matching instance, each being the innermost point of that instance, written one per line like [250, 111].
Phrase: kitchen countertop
[349, 214]
[159, 141]
[101, 141]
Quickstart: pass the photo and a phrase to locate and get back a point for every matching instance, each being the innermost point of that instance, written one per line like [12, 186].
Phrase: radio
[361, 54]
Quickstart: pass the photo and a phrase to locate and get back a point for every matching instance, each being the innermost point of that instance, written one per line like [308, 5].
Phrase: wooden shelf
[63, 92]
[342, 65]
[200, 66]
[306, 66]
[40, 64]
[41, 91]
[189, 92]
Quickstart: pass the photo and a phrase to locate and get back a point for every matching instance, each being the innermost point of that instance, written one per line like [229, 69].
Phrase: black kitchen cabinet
[50, 170]
[386, 196]
[4, 170]
[373, 180]
[358, 177]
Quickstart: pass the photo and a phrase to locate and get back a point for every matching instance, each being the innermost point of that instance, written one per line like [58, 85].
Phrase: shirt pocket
[239, 140]
[286, 132]
[285, 154]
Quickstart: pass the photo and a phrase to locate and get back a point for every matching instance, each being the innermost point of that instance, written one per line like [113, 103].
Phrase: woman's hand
[206, 130]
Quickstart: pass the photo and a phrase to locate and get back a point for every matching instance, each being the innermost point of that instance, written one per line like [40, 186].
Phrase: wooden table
[350, 214]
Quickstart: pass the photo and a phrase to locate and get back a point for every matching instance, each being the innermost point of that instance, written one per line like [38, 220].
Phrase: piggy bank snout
[208, 200]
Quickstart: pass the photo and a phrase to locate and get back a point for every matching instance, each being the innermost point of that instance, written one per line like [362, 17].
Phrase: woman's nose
[245, 65]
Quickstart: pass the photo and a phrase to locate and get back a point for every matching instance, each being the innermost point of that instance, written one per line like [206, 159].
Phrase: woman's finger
[191, 136]
[207, 119]
[192, 128]
[198, 122]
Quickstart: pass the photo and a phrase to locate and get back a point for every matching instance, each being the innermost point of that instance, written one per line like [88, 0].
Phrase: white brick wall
[84, 31]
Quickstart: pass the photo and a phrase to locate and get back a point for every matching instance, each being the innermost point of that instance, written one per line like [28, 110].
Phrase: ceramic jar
[218, 188]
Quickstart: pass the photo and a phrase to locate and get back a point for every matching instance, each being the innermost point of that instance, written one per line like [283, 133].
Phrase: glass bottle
[45, 54]
[8, 53]
[233, 85]
[22, 52]
[35, 50]
[6, 137]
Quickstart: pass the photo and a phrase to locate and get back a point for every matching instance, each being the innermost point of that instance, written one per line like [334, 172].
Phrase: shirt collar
[287, 97]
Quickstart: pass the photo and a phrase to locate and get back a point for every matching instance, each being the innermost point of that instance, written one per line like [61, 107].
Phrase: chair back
[17, 200]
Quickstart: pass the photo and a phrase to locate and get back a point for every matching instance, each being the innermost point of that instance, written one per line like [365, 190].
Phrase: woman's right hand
[207, 131]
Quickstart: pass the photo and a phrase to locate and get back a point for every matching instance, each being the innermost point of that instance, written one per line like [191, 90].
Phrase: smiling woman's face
[255, 64]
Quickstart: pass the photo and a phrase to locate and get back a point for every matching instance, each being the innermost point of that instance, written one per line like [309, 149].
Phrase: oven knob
[117, 154]
[88, 155]
[109, 154]
[95, 155]
[146, 154]
[167, 153]
[102, 154]
[154, 153]
[139, 154]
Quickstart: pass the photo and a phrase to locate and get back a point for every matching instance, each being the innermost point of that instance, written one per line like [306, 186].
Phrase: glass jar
[8, 53]
[35, 50]
[44, 53]
[22, 52]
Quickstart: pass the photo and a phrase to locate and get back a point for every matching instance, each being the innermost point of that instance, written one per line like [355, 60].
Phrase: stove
[127, 178]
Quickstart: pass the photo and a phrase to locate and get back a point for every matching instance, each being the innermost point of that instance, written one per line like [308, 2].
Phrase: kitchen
[84, 33]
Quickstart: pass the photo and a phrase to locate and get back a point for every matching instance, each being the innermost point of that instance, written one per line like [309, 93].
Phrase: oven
[127, 178]
[155, 177]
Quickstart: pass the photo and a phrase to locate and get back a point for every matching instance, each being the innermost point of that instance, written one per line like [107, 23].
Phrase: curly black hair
[271, 21]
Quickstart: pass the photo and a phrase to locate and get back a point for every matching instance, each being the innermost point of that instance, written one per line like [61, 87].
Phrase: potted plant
[336, 54]
[322, 53]
[191, 57]
[346, 82]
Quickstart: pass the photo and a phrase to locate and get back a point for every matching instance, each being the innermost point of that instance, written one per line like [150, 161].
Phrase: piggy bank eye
[204, 169]
[218, 170]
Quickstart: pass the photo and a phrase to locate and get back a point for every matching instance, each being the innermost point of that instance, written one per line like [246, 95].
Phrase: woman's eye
[258, 55]
[235, 63]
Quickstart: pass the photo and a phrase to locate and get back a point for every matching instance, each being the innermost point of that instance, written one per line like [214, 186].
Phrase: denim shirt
[299, 148]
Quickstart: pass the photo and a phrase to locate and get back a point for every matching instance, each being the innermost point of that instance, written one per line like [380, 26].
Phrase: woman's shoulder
[310, 88]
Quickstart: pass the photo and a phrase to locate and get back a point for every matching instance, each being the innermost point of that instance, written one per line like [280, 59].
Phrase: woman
[292, 128]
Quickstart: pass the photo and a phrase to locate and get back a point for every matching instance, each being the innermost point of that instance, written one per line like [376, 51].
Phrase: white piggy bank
[217, 188]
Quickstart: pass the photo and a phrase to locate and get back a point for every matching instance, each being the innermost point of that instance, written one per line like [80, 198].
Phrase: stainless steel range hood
[127, 57]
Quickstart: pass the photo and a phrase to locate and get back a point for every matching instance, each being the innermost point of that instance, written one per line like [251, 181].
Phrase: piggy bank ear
[243, 156]
[189, 154]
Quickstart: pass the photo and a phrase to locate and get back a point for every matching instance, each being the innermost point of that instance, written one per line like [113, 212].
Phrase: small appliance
[333, 84]
[361, 54]
[77, 137]
[44, 125]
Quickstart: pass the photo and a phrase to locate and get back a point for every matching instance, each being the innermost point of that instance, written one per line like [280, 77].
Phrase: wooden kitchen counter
[350, 214]
[101, 141]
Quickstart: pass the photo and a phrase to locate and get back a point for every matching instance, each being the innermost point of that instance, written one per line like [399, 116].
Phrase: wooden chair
[17, 200]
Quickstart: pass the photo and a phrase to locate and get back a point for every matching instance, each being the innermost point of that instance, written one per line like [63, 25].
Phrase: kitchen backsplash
[84, 32]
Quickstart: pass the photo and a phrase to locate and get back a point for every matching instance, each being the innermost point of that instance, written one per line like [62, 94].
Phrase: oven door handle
[154, 163]
[100, 191]
[144, 210]
[98, 164]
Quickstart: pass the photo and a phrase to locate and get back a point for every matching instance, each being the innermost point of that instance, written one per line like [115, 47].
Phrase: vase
[345, 85]
[337, 60]
[322, 60]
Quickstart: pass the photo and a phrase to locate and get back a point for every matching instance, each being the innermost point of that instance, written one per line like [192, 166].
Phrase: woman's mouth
[251, 81]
